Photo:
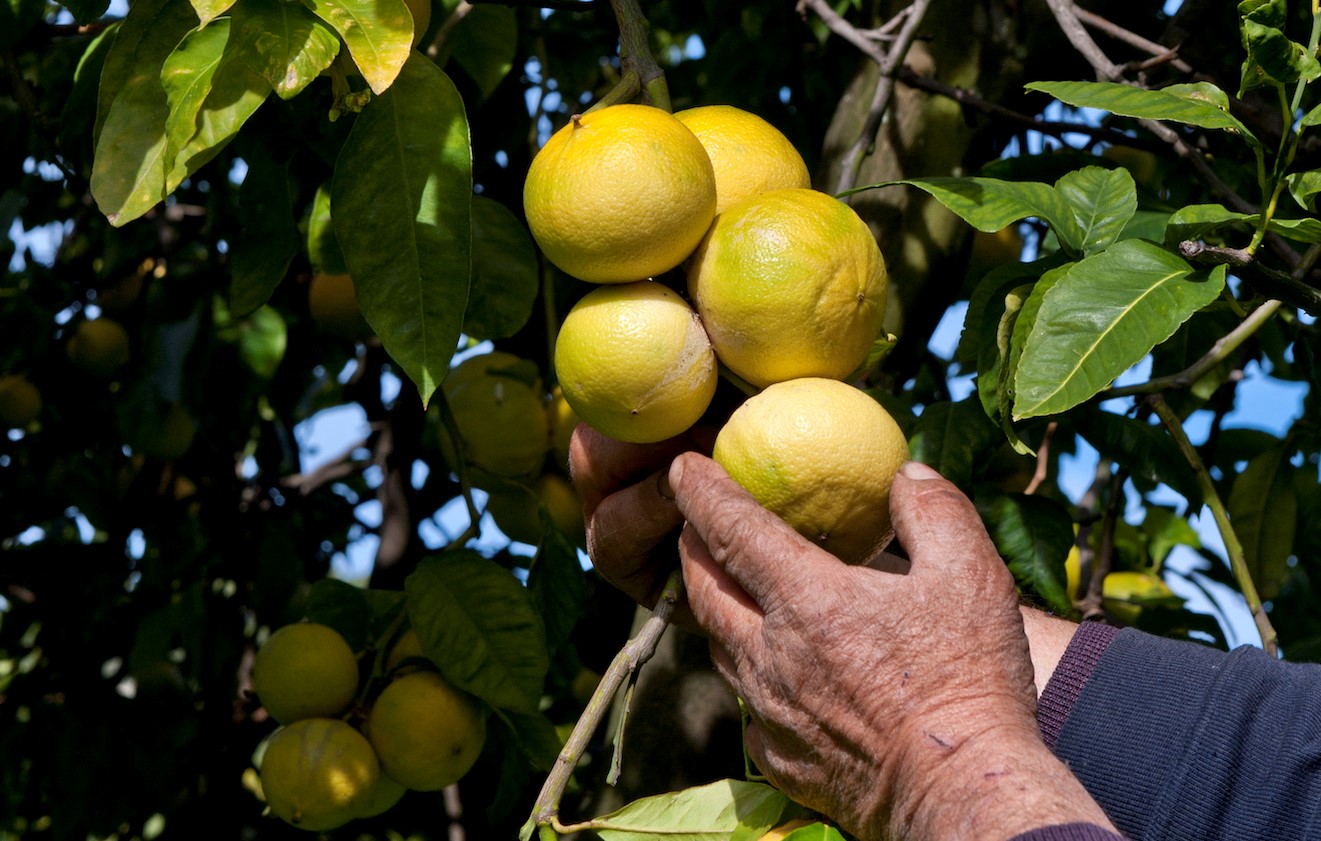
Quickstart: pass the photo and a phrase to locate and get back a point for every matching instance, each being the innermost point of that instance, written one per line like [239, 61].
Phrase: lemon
[789, 283]
[499, 406]
[99, 348]
[427, 733]
[634, 362]
[822, 455]
[20, 401]
[620, 194]
[384, 795]
[305, 670]
[748, 154]
[319, 773]
[334, 307]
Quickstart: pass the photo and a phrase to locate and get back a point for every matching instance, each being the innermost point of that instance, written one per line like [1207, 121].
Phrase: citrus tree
[231, 222]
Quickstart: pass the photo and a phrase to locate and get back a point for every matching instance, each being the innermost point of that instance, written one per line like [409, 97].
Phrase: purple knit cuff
[1068, 831]
[1075, 668]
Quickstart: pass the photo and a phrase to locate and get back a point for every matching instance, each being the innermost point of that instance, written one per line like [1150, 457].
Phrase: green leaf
[1197, 221]
[479, 626]
[1304, 186]
[484, 45]
[186, 78]
[1103, 201]
[1262, 509]
[378, 33]
[705, 813]
[1102, 318]
[83, 11]
[128, 170]
[989, 204]
[504, 272]
[953, 439]
[209, 10]
[1272, 59]
[1199, 104]
[816, 831]
[343, 607]
[1165, 530]
[1034, 535]
[535, 736]
[987, 302]
[997, 402]
[1146, 450]
[235, 95]
[558, 583]
[262, 254]
[262, 337]
[1021, 328]
[322, 247]
[285, 43]
[401, 202]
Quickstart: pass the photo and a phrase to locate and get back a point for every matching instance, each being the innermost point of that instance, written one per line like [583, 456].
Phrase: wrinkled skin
[898, 704]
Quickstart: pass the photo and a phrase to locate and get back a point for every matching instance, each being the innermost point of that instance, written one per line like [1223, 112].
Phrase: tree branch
[1119, 33]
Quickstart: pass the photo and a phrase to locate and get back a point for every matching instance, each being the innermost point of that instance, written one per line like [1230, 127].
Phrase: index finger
[601, 465]
[757, 549]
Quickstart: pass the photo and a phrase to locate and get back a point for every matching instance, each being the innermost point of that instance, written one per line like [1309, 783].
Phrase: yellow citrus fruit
[822, 455]
[563, 420]
[789, 283]
[784, 830]
[384, 795]
[634, 362]
[748, 154]
[305, 670]
[1125, 592]
[620, 194]
[334, 307]
[20, 401]
[499, 405]
[319, 773]
[99, 348]
[427, 733]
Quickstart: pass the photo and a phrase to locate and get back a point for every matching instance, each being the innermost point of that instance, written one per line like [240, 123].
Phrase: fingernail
[663, 486]
[917, 471]
[675, 475]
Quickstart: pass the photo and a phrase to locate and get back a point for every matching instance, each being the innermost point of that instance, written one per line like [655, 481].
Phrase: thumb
[936, 524]
[756, 548]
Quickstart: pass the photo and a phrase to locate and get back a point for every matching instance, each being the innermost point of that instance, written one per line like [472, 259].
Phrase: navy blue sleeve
[1068, 832]
[1176, 740]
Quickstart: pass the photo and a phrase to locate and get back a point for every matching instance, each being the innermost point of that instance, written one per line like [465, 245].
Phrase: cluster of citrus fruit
[333, 760]
[785, 288]
[508, 423]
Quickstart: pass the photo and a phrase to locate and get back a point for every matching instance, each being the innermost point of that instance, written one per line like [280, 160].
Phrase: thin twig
[1066, 15]
[1238, 562]
[1043, 459]
[1093, 603]
[629, 659]
[1119, 33]
[635, 52]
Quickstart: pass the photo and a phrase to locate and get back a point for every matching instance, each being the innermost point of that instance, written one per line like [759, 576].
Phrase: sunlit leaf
[1272, 58]
[504, 272]
[401, 202]
[1304, 186]
[815, 831]
[322, 247]
[1034, 535]
[1101, 318]
[209, 10]
[477, 623]
[378, 33]
[1103, 202]
[285, 43]
[186, 77]
[1199, 104]
[1197, 221]
[1262, 509]
[1165, 530]
[705, 813]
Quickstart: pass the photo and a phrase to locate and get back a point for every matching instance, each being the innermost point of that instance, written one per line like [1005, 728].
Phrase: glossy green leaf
[712, 812]
[285, 43]
[558, 583]
[953, 438]
[378, 33]
[1034, 534]
[1272, 58]
[78, 113]
[815, 831]
[262, 338]
[1263, 511]
[322, 247]
[1145, 450]
[1197, 221]
[477, 623]
[1165, 530]
[997, 402]
[982, 314]
[535, 736]
[343, 607]
[989, 204]
[262, 255]
[484, 45]
[1020, 329]
[1102, 318]
[1103, 201]
[504, 272]
[128, 170]
[1311, 118]
[1199, 104]
[1304, 186]
[209, 10]
[186, 77]
[401, 202]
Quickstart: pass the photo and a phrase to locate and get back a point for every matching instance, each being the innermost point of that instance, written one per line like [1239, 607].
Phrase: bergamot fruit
[499, 405]
[634, 362]
[20, 402]
[319, 774]
[822, 455]
[620, 194]
[99, 348]
[748, 154]
[789, 283]
[305, 670]
[427, 733]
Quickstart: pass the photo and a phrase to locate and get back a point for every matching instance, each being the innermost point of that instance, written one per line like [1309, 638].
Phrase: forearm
[1048, 637]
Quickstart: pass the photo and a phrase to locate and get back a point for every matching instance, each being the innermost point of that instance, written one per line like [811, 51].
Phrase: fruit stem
[461, 470]
[635, 56]
[1237, 560]
[545, 812]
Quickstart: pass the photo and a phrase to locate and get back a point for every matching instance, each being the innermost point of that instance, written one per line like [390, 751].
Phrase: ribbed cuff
[1068, 831]
[1074, 670]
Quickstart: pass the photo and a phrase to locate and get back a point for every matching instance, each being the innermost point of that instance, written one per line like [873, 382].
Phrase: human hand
[896, 704]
